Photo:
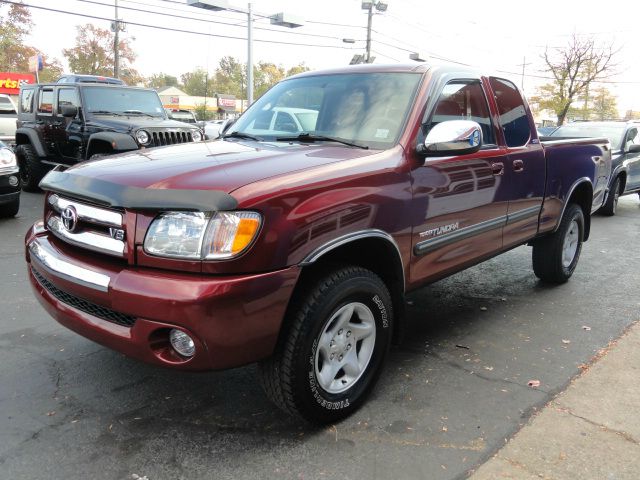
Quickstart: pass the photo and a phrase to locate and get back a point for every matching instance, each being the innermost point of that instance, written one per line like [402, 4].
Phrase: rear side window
[26, 100]
[68, 97]
[45, 101]
[464, 100]
[513, 114]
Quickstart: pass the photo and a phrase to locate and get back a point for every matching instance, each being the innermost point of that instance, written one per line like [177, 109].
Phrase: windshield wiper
[308, 137]
[138, 112]
[106, 112]
[242, 135]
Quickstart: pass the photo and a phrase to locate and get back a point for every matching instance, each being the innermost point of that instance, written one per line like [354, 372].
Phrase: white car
[283, 120]
[212, 128]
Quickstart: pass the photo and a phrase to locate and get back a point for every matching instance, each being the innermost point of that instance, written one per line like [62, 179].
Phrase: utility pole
[524, 64]
[249, 56]
[116, 45]
[369, 22]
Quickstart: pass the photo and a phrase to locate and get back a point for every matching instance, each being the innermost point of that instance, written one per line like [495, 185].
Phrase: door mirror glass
[634, 148]
[68, 111]
[452, 137]
[226, 125]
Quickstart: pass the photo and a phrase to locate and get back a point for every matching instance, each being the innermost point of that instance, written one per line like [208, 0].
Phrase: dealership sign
[11, 82]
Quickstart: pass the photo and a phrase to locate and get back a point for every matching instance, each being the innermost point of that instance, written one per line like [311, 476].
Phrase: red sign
[11, 82]
[175, 100]
[227, 102]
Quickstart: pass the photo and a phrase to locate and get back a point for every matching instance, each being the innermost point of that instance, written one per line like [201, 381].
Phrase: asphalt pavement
[460, 386]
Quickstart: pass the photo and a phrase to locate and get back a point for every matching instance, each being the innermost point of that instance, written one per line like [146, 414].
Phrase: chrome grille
[84, 305]
[94, 228]
[170, 138]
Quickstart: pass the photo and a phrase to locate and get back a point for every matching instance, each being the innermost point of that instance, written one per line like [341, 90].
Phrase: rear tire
[31, 169]
[555, 256]
[10, 209]
[610, 206]
[333, 350]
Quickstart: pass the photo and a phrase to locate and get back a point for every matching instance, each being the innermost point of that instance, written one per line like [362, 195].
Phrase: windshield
[612, 131]
[120, 100]
[364, 108]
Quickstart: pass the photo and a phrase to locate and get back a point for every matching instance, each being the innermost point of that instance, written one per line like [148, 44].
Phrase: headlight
[195, 235]
[7, 158]
[196, 135]
[143, 137]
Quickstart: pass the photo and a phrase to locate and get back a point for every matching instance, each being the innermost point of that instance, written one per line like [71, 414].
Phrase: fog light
[13, 181]
[182, 343]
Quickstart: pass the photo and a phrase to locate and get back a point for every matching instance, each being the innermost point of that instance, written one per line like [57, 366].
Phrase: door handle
[497, 168]
[518, 166]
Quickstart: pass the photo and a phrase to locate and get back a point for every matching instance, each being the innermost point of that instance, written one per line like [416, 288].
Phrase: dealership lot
[451, 394]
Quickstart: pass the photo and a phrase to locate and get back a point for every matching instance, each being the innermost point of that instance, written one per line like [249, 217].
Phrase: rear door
[45, 120]
[525, 166]
[460, 201]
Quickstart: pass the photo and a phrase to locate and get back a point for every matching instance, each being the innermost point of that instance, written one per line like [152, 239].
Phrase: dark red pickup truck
[293, 240]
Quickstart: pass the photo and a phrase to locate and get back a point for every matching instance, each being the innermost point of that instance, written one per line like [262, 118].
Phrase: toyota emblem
[69, 218]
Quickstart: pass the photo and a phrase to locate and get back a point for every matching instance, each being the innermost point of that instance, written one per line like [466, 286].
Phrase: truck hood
[216, 165]
[126, 123]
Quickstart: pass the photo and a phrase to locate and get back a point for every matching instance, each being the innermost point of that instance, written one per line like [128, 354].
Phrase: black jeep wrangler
[63, 124]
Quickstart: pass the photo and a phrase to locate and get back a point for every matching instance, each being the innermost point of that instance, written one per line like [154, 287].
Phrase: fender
[587, 220]
[120, 142]
[33, 140]
[352, 237]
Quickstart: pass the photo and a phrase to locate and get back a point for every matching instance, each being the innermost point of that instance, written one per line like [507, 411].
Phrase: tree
[93, 54]
[573, 69]
[604, 105]
[160, 80]
[196, 83]
[14, 54]
[230, 77]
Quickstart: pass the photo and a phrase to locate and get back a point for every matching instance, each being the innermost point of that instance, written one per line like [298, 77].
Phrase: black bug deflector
[123, 196]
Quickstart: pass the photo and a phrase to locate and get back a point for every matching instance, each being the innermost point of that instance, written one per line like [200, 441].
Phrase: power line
[171, 29]
[288, 32]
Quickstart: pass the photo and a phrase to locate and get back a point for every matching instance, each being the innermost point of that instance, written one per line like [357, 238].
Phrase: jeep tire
[333, 348]
[31, 168]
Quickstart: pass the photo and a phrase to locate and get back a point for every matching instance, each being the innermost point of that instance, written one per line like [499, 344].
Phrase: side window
[464, 100]
[513, 115]
[45, 101]
[68, 97]
[26, 100]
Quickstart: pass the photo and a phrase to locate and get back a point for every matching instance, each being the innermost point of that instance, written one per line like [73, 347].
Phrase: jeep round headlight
[196, 135]
[198, 236]
[143, 137]
[7, 158]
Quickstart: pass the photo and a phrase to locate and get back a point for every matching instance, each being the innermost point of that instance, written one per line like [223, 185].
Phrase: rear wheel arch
[581, 194]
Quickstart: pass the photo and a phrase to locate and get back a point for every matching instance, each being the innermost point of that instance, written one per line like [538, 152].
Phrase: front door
[68, 131]
[632, 159]
[461, 200]
[45, 120]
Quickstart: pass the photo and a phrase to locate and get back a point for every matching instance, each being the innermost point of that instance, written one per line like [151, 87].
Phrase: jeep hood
[222, 166]
[126, 123]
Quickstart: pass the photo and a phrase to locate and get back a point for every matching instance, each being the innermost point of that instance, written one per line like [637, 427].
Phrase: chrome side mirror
[452, 137]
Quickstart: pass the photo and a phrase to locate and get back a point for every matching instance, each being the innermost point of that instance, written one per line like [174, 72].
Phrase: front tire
[31, 169]
[10, 209]
[555, 257]
[333, 351]
[610, 206]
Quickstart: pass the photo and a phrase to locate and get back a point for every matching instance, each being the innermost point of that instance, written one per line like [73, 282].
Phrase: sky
[497, 38]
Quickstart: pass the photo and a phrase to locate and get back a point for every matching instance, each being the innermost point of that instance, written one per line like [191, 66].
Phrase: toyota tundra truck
[296, 249]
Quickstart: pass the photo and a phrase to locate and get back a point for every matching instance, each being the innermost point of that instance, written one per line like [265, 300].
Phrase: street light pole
[249, 56]
[116, 45]
[369, 23]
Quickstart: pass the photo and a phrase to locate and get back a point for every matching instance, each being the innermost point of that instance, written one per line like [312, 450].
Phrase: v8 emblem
[116, 233]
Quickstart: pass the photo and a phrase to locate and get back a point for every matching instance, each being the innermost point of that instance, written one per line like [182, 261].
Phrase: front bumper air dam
[233, 320]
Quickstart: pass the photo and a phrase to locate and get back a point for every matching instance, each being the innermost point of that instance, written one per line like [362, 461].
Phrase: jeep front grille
[84, 305]
[170, 138]
[86, 226]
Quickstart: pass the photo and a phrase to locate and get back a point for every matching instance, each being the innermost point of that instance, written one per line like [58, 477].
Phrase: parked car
[283, 120]
[625, 146]
[182, 115]
[296, 249]
[212, 128]
[9, 182]
[63, 124]
[73, 78]
[544, 131]
[8, 117]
